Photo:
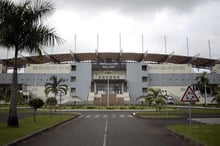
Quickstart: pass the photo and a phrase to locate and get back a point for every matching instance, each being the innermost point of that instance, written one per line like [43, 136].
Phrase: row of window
[109, 77]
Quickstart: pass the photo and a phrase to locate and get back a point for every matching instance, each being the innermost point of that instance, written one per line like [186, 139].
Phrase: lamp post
[108, 72]
[108, 92]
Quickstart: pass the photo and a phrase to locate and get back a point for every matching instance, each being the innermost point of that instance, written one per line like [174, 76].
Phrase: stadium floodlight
[171, 55]
[195, 57]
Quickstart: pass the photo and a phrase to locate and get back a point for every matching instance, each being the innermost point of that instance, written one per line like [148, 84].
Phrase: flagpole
[209, 43]
[75, 43]
[187, 45]
[165, 44]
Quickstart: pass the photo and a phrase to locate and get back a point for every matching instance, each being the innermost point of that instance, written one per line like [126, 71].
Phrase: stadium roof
[137, 57]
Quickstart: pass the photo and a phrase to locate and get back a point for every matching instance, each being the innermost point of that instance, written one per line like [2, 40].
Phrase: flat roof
[136, 57]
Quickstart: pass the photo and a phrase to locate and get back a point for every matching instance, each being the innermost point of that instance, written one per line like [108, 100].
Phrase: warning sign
[189, 96]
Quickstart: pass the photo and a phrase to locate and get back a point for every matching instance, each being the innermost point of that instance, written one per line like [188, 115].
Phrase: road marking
[113, 116]
[130, 116]
[122, 116]
[105, 116]
[81, 116]
[96, 116]
[88, 116]
[105, 132]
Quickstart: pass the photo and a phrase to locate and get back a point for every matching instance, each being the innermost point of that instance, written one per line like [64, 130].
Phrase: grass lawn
[28, 126]
[175, 113]
[205, 134]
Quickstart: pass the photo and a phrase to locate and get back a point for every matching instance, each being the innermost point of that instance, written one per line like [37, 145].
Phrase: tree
[202, 83]
[56, 86]
[51, 101]
[36, 103]
[155, 96]
[216, 95]
[22, 30]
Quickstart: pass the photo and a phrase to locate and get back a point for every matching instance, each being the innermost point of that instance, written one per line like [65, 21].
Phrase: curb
[189, 140]
[20, 140]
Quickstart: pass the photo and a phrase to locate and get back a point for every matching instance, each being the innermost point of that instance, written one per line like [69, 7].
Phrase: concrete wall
[134, 79]
[82, 84]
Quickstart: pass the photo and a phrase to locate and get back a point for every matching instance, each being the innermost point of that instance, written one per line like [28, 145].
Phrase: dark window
[73, 90]
[144, 90]
[73, 68]
[73, 79]
[144, 79]
[144, 67]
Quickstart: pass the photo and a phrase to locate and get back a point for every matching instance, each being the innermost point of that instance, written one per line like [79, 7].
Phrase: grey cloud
[130, 6]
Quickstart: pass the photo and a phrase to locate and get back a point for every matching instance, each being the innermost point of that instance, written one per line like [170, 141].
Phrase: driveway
[109, 128]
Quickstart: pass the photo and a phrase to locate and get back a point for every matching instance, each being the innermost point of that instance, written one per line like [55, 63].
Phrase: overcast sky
[199, 20]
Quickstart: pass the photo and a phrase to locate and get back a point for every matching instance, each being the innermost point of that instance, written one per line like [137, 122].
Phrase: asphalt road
[108, 129]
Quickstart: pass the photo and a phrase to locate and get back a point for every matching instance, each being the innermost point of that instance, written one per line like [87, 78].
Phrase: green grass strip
[28, 126]
[202, 133]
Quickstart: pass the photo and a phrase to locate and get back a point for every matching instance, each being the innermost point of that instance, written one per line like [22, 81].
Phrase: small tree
[51, 101]
[156, 97]
[35, 104]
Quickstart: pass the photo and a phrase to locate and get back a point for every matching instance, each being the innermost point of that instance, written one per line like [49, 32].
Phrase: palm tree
[217, 95]
[22, 30]
[156, 97]
[202, 83]
[56, 86]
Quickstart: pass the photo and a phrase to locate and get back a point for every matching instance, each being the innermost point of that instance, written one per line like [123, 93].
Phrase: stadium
[107, 78]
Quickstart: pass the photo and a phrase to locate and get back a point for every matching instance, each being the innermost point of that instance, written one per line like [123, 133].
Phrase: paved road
[108, 129]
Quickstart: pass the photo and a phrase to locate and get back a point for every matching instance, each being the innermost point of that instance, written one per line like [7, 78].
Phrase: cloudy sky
[199, 20]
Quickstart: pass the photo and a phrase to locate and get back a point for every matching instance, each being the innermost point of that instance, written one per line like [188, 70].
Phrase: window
[144, 79]
[144, 67]
[73, 79]
[73, 90]
[144, 90]
[73, 68]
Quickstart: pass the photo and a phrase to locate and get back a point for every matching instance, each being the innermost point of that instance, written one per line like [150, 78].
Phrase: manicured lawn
[28, 126]
[205, 134]
[175, 113]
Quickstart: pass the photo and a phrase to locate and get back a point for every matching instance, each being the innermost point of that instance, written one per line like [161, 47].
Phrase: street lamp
[108, 72]
[108, 92]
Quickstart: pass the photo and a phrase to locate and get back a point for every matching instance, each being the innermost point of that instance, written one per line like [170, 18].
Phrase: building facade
[110, 81]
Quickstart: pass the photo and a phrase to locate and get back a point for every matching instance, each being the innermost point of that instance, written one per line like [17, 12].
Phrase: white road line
[96, 116]
[104, 141]
[105, 132]
[88, 116]
[130, 116]
[113, 116]
[105, 116]
[122, 116]
[81, 116]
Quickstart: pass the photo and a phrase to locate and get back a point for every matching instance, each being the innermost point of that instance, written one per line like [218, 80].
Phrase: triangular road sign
[189, 96]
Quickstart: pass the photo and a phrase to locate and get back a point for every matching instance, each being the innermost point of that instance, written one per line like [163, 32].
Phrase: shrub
[36, 103]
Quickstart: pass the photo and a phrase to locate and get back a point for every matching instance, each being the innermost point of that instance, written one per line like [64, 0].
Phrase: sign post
[191, 97]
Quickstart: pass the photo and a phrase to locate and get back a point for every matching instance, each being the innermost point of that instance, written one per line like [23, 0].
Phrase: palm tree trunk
[12, 117]
[205, 95]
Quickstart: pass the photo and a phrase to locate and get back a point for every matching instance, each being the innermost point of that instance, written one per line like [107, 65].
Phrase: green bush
[36, 103]
[132, 107]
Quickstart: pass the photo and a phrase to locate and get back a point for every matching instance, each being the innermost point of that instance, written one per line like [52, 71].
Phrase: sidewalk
[207, 120]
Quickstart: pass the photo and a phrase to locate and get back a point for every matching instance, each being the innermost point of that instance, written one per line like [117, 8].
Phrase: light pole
[108, 92]
[108, 72]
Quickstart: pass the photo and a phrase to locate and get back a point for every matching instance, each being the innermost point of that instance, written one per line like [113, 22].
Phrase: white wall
[48, 68]
[169, 68]
[38, 91]
[216, 68]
